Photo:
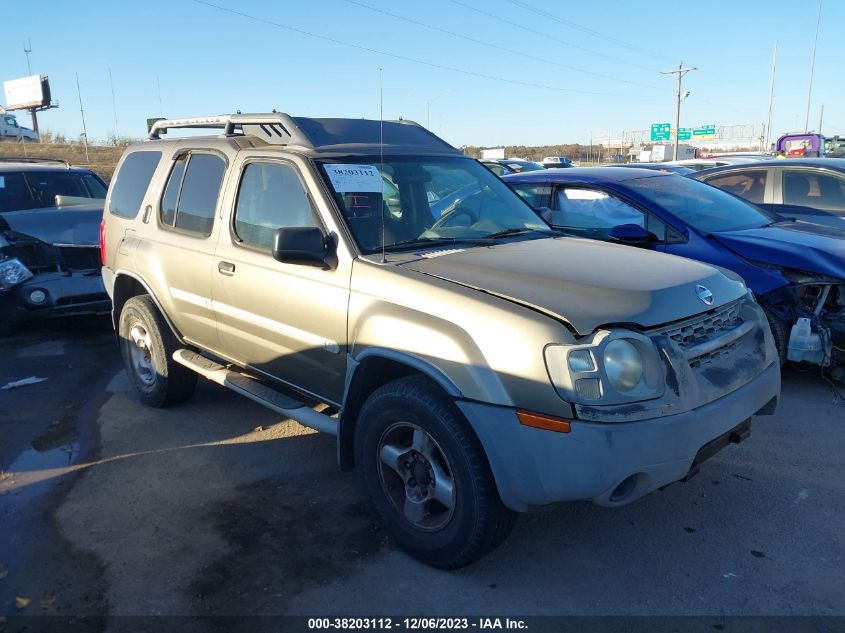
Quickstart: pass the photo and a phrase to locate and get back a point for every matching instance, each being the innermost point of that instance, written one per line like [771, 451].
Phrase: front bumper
[533, 467]
[66, 294]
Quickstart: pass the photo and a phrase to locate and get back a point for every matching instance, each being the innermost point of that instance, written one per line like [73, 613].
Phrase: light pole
[681, 71]
[428, 109]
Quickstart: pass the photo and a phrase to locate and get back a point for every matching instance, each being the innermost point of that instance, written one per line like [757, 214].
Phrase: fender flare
[345, 434]
[146, 286]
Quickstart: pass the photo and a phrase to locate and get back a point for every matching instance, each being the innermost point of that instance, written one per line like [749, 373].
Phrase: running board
[256, 391]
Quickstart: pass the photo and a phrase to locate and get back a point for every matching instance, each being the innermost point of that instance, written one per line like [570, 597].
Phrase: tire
[393, 424]
[147, 345]
[780, 333]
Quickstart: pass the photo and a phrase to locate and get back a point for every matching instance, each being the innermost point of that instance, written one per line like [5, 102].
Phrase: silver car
[472, 362]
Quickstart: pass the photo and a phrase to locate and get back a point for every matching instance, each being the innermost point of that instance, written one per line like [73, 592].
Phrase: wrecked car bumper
[611, 464]
[55, 294]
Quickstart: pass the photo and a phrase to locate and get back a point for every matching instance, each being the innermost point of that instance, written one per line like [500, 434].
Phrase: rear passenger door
[287, 321]
[183, 246]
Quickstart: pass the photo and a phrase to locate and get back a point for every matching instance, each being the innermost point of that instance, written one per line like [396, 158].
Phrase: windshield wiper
[422, 241]
[515, 231]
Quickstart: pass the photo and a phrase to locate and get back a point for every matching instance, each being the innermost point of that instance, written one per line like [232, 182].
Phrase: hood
[584, 282]
[800, 245]
[79, 226]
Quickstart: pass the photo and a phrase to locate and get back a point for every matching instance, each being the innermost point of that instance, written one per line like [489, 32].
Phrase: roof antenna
[381, 158]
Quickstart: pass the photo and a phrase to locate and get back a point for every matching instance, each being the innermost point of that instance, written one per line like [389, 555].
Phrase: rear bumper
[610, 464]
[66, 294]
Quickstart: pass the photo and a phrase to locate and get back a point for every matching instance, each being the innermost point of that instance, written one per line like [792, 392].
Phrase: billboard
[27, 92]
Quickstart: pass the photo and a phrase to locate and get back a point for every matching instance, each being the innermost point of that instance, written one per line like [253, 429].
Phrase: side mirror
[630, 234]
[301, 245]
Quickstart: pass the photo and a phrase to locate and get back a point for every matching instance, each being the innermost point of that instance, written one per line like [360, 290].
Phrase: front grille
[704, 328]
[80, 257]
[693, 332]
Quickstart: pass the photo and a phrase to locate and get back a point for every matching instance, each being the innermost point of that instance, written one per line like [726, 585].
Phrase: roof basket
[274, 127]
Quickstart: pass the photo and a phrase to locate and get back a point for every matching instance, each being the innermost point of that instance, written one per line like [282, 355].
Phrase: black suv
[50, 214]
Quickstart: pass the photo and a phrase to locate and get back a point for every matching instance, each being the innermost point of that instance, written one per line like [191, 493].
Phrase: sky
[477, 72]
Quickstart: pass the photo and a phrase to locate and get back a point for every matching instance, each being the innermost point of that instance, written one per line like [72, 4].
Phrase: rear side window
[813, 189]
[190, 198]
[132, 182]
[749, 184]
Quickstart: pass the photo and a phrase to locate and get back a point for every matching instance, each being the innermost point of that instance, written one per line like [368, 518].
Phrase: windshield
[701, 206]
[419, 200]
[21, 190]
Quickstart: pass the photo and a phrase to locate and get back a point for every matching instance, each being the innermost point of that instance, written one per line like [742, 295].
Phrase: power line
[496, 46]
[551, 37]
[586, 30]
[413, 60]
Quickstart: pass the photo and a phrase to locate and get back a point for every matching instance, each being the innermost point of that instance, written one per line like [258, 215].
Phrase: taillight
[103, 241]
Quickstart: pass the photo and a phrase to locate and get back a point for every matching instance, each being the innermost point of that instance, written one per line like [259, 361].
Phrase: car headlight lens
[623, 364]
[13, 272]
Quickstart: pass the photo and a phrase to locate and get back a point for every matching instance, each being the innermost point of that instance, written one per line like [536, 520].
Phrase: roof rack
[318, 134]
[274, 127]
[23, 159]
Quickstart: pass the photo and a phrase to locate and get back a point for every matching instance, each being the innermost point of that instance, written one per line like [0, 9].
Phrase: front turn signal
[545, 422]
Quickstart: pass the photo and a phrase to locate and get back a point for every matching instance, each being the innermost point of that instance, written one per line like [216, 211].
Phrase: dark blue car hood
[798, 245]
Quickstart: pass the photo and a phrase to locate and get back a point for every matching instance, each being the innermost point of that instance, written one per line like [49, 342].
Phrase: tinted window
[198, 197]
[34, 189]
[535, 195]
[591, 209]
[14, 192]
[701, 206]
[816, 190]
[132, 182]
[271, 197]
[95, 186]
[749, 184]
[167, 213]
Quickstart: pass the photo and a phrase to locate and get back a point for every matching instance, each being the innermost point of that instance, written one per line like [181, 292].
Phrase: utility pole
[27, 49]
[82, 113]
[812, 68]
[680, 72]
[771, 96]
[821, 119]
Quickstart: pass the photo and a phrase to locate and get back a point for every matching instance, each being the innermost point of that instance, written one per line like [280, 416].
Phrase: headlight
[623, 365]
[612, 368]
[12, 272]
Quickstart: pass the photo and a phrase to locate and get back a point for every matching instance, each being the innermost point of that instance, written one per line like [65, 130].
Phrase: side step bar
[256, 391]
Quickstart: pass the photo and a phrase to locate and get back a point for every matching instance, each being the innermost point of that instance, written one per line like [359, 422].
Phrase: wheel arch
[128, 285]
[370, 370]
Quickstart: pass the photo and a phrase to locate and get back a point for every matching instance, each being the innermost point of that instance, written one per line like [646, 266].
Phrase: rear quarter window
[131, 183]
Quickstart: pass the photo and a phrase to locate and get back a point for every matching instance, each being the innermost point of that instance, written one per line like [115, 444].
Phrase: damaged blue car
[795, 269]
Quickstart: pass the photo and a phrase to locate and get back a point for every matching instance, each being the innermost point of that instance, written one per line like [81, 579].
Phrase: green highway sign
[661, 131]
[704, 132]
[684, 133]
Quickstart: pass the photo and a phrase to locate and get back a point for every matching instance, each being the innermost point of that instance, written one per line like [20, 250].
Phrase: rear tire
[147, 345]
[426, 477]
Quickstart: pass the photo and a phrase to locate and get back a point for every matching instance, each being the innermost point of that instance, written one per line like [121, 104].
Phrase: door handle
[226, 268]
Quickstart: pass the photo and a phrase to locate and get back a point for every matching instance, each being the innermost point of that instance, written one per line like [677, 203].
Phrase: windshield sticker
[2, 182]
[357, 178]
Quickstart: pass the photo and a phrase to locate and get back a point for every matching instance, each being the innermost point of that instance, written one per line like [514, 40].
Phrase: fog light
[589, 388]
[37, 296]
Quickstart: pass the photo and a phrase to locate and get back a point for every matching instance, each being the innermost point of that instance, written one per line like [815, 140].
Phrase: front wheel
[426, 477]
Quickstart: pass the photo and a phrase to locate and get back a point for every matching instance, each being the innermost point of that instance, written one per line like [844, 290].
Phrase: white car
[9, 129]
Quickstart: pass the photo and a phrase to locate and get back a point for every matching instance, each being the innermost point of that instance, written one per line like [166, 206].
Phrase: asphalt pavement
[217, 506]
